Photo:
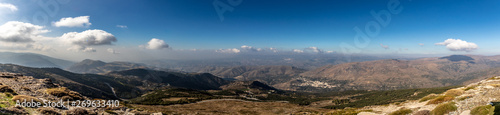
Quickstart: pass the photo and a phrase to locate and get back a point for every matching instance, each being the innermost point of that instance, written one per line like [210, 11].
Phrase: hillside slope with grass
[478, 98]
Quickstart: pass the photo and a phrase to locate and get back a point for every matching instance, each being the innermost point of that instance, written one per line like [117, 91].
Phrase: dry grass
[177, 98]
[493, 78]
[350, 111]
[470, 87]
[78, 111]
[495, 85]
[454, 92]
[21, 98]
[232, 107]
[444, 108]
[441, 99]
[464, 97]
[482, 110]
[64, 92]
[428, 97]
[402, 111]
[48, 111]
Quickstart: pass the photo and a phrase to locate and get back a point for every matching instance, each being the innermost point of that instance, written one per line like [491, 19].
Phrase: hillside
[151, 79]
[125, 84]
[267, 74]
[386, 74]
[403, 74]
[90, 85]
[97, 66]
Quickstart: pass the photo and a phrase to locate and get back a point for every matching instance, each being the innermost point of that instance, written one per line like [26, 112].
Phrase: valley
[251, 89]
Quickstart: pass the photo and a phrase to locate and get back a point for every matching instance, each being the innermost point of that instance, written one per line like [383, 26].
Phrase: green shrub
[402, 111]
[428, 97]
[444, 108]
[441, 99]
[482, 110]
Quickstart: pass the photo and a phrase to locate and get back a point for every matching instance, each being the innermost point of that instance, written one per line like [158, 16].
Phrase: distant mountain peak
[92, 62]
[33, 60]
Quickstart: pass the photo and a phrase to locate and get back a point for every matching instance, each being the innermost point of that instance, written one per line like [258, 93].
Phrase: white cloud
[20, 32]
[384, 46]
[155, 44]
[330, 51]
[88, 49]
[421, 44]
[81, 21]
[113, 51]
[313, 49]
[298, 51]
[233, 50]
[8, 6]
[458, 45]
[81, 41]
[121, 26]
[250, 48]
[273, 49]
[89, 38]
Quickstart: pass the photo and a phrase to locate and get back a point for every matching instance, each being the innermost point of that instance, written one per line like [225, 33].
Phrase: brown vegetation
[454, 92]
[78, 111]
[21, 98]
[428, 97]
[402, 111]
[48, 111]
[64, 93]
[444, 108]
[5, 88]
[440, 99]
[232, 107]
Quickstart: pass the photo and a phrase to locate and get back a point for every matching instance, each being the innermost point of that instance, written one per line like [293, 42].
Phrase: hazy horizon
[188, 30]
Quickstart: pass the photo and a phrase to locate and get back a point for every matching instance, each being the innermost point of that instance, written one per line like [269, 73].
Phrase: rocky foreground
[45, 97]
[476, 99]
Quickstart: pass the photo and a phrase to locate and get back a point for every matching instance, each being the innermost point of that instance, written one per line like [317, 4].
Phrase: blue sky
[282, 24]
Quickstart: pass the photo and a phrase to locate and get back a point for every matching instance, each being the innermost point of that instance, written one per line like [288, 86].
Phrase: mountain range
[33, 60]
[385, 74]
